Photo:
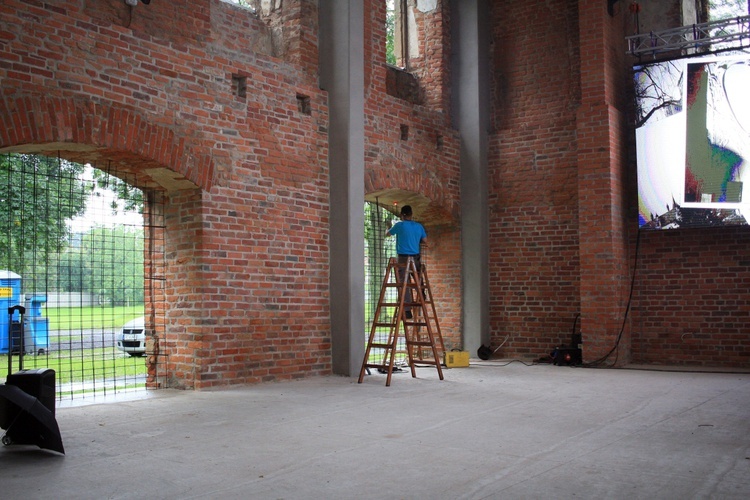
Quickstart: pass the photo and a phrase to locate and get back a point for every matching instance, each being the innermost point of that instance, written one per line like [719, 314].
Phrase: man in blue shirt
[410, 236]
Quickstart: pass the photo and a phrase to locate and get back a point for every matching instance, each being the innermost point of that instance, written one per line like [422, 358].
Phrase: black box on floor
[39, 382]
[567, 356]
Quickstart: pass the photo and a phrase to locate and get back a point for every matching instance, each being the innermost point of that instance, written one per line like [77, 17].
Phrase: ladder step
[422, 343]
[382, 346]
[383, 324]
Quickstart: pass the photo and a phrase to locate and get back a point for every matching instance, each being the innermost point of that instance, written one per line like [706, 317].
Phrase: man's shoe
[409, 315]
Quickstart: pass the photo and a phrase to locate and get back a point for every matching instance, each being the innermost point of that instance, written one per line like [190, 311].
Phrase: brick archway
[391, 184]
[84, 132]
[149, 156]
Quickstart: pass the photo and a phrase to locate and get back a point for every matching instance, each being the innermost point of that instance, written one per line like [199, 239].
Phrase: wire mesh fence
[378, 251]
[79, 251]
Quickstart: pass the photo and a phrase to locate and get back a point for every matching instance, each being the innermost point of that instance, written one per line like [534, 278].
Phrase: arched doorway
[86, 251]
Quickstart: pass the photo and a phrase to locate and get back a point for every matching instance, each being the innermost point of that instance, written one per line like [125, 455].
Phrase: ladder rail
[416, 342]
[388, 347]
[431, 302]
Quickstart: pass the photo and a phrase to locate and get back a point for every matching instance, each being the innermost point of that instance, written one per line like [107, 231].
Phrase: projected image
[693, 143]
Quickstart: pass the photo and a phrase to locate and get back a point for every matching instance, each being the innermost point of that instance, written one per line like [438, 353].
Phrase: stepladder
[405, 322]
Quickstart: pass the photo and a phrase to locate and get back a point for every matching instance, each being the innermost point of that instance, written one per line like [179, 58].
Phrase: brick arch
[85, 131]
[421, 189]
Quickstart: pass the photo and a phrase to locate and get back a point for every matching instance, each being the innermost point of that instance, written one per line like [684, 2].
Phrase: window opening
[396, 33]
[239, 86]
[87, 250]
[303, 104]
[246, 4]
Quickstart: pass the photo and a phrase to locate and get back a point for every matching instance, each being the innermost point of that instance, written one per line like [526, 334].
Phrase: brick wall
[155, 86]
[691, 299]
[425, 162]
[534, 195]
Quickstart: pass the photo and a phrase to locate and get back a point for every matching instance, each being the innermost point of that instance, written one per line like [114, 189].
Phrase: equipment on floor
[569, 355]
[418, 318]
[486, 353]
[457, 359]
[27, 402]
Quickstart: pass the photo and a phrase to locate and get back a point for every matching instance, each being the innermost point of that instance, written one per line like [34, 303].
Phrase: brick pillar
[185, 315]
[601, 170]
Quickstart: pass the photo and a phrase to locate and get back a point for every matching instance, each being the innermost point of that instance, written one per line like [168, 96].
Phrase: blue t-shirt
[408, 235]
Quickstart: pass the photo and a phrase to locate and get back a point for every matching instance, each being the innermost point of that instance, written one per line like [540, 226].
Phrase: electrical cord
[524, 363]
[598, 363]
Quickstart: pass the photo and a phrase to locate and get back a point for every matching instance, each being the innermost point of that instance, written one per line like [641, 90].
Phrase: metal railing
[724, 35]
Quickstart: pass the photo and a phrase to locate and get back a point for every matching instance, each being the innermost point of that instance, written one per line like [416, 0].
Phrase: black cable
[598, 362]
[533, 363]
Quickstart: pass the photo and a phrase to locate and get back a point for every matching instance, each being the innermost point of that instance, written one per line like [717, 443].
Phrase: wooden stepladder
[421, 331]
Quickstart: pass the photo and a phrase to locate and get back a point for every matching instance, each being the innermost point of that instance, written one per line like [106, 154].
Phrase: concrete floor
[487, 431]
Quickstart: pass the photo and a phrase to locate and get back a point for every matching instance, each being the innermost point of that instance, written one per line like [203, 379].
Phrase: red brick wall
[426, 163]
[246, 241]
[246, 246]
[602, 172]
[534, 196]
[691, 300]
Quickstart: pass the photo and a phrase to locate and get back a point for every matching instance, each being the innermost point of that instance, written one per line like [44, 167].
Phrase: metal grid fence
[77, 250]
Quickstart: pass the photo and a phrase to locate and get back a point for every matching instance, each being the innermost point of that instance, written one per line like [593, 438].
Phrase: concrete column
[470, 40]
[342, 76]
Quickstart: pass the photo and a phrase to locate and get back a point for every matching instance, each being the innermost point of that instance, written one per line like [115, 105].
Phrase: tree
[113, 263]
[37, 195]
[727, 9]
[390, 31]
[378, 248]
[658, 91]
[248, 4]
[70, 271]
[132, 197]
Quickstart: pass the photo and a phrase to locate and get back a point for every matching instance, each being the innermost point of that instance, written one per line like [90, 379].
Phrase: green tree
[37, 195]
[132, 197]
[114, 264]
[390, 31]
[378, 248]
[70, 271]
[727, 9]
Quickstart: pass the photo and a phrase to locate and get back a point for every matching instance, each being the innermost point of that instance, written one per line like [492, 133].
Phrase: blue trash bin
[10, 295]
[36, 328]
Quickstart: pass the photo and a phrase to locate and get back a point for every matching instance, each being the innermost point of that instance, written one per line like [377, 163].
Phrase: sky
[99, 210]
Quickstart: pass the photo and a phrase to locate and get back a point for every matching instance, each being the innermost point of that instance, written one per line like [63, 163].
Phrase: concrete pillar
[471, 41]
[342, 76]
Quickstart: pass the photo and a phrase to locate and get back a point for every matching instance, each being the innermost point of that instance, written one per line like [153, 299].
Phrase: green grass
[82, 318]
[78, 366]
[86, 364]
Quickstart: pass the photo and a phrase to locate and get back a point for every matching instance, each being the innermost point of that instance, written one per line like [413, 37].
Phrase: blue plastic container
[10, 295]
[36, 328]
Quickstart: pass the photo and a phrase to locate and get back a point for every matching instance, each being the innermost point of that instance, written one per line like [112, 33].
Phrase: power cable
[598, 362]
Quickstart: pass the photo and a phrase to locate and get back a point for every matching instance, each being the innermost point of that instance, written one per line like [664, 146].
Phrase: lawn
[81, 365]
[84, 318]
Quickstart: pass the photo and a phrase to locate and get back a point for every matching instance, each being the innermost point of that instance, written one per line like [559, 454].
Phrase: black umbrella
[27, 420]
